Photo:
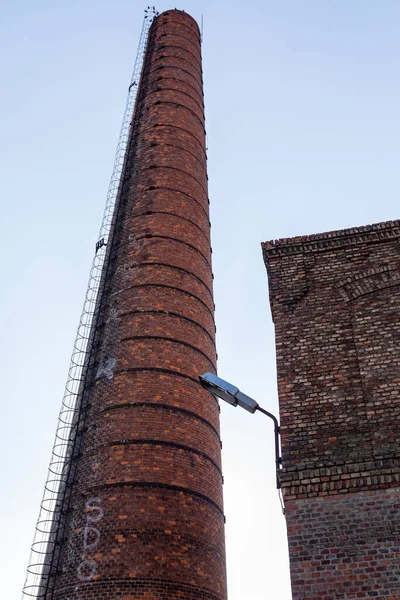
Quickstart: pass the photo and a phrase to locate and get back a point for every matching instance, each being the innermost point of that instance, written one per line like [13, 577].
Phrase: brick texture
[335, 300]
[145, 519]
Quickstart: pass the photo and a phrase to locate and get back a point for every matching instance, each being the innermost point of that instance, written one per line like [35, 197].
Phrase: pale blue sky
[302, 101]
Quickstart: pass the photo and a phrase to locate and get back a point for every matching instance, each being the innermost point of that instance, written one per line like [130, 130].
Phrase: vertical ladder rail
[40, 566]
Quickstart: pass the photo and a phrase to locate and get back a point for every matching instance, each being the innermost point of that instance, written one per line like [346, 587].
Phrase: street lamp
[226, 391]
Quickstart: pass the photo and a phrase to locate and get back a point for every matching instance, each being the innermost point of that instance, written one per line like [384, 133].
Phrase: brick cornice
[320, 242]
[340, 478]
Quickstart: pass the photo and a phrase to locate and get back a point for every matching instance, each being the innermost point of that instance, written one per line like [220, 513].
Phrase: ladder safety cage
[41, 568]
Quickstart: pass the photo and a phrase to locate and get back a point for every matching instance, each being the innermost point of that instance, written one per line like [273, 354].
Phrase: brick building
[144, 516]
[335, 300]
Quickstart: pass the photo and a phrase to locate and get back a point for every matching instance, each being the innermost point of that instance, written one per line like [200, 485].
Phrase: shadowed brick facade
[146, 516]
[335, 300]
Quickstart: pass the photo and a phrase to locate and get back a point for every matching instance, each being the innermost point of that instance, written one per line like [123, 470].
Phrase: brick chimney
[145, 516]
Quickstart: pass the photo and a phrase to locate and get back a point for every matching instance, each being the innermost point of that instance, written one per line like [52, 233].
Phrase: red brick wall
[335, 302]
[345, 545]
[146, 516]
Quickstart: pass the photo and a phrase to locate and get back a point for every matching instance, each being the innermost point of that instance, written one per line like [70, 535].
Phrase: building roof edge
[332, 239]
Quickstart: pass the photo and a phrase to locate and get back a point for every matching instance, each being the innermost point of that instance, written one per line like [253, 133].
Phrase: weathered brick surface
[146, 516]
[335, 301]
[345, 546]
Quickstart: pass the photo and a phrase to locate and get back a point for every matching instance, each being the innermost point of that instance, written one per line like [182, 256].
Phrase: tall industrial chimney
[139, 512]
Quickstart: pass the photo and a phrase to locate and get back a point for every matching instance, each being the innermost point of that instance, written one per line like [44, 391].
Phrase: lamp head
[219, 387]
[226, 391]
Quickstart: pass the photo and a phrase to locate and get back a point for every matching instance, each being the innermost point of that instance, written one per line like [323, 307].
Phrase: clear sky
[302, 105]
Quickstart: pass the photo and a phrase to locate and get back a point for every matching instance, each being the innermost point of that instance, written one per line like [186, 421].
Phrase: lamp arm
[278, 459]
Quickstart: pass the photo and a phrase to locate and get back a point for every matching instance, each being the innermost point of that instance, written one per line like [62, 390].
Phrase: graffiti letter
[96, 512]
[91, 537]
[86, 570]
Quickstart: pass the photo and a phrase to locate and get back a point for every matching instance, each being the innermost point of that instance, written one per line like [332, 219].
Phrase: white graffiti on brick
[91, 538]
[108, 363]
